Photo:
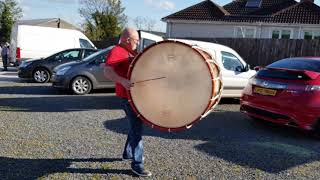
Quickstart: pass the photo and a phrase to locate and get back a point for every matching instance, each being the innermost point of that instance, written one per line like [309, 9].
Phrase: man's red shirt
[120, 58]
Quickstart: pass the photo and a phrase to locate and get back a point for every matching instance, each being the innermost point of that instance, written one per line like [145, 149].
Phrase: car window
[68, 55]
[85, 44]
[103, 52]
[298, 64]
[230, 61]
[147, 42]
[88, 53]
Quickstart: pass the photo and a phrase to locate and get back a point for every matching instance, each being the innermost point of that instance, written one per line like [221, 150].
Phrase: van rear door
[13, 44]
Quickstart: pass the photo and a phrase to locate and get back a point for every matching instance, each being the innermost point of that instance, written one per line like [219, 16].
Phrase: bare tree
[139, 22]
[150, 24]
[144, 23]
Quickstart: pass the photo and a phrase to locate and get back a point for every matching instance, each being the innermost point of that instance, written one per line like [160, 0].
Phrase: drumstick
[148, 80]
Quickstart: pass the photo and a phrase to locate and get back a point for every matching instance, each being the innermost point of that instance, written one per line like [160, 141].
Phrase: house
[50, 22]
[279, 19]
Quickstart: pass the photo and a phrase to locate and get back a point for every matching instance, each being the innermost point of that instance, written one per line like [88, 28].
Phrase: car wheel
[316, 130]
[81, 85]
[41, 75]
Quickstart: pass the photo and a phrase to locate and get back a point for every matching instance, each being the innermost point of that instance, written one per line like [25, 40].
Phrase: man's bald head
[129, 38]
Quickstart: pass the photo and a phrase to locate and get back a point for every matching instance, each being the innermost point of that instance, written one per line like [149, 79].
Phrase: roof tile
[270, 11]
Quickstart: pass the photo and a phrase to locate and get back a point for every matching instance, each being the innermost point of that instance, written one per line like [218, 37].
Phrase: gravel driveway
[47, 134]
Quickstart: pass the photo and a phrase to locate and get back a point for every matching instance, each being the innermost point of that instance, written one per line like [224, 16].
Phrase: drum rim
[141, 117]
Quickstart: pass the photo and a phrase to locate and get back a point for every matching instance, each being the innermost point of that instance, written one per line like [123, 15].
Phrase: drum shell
[215, 89]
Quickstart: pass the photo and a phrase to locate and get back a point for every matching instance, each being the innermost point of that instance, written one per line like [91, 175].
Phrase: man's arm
[109, 73]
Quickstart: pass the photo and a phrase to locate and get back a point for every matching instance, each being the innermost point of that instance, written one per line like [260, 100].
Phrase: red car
[285, 92]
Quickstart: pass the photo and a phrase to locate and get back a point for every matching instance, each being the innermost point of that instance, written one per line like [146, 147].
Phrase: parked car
[235, 71]
[40, 70]
[29, 42]
[285, 92]
[80, 77]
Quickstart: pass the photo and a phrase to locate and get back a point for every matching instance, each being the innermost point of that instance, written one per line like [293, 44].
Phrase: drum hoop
[149, 123]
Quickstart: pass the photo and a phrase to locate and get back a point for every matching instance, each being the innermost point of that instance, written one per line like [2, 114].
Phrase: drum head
[182, 87]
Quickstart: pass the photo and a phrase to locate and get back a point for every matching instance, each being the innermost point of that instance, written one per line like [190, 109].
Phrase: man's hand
[126, 84]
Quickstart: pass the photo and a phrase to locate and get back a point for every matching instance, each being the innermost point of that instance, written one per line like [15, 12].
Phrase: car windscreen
[298, 64]
[92, 56]
[295, 64]
[85, 44]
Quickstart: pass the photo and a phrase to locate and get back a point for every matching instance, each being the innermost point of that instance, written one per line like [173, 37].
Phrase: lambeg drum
[175, 85]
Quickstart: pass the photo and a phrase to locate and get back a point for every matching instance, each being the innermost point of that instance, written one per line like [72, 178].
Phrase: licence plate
[265, 91]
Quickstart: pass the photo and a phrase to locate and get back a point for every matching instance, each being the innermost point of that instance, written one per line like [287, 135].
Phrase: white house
[279, 19]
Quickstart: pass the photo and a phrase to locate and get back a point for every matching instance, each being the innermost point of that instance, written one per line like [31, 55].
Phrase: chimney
[312, 1]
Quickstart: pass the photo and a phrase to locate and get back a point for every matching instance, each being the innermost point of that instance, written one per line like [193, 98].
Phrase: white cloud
[160, 4]
[25, 10]
[167, 5]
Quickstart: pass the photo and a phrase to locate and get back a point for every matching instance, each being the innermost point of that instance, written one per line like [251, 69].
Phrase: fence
[261, 52]
[257, 52]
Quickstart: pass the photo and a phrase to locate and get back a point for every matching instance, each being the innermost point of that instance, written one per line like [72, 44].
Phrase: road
[48, 134]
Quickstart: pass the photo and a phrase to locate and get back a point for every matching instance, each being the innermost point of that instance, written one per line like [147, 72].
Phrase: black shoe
[141, 172]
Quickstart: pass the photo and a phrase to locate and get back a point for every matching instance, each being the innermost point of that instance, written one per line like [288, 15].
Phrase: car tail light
[18, 53]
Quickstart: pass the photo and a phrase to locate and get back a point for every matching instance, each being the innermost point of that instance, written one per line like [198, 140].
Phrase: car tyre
[80, 85]
[316, 130]
[41, 75]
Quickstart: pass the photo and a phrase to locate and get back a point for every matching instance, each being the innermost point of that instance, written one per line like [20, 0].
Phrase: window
[298, 64]
[276, 34]
[316, 35]
[311, 35]
[281, 34]
[147, 42]
[68, 55]
[85, 44]
[307, 35]
[245, 32]
[285, 34]
[88, 53]
[230, 61]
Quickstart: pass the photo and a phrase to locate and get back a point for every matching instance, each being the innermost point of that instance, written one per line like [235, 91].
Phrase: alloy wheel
[81, 85]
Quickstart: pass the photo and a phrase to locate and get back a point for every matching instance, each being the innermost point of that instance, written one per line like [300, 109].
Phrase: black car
[82, 76]
[40, 70]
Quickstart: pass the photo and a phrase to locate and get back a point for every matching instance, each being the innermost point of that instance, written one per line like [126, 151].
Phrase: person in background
[5, 56]
[116, 68]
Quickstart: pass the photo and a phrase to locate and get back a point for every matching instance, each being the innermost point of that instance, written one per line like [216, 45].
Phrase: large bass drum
[175, 85]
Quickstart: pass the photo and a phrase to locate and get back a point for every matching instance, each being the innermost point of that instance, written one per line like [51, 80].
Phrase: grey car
[80, 77]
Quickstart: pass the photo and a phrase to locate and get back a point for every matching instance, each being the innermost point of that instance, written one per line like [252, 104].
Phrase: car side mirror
[257, 68]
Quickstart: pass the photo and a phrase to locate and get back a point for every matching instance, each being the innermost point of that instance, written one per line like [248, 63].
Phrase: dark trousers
[5, 62]
[134, 144]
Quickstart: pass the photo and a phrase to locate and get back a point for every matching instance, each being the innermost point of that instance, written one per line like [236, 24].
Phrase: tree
[103, 18]
[144, 23]
[9, 13]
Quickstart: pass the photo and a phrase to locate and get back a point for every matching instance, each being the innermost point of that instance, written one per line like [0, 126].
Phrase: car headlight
[25, 64]
[63, 70]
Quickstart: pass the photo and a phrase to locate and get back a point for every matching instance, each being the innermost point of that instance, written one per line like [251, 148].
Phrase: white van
[235, 71]
[35, 41]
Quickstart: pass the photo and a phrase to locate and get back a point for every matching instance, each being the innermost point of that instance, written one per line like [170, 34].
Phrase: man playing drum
[116, 69]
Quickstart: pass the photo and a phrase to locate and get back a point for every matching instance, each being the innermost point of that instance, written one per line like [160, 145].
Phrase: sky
[69, 9]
